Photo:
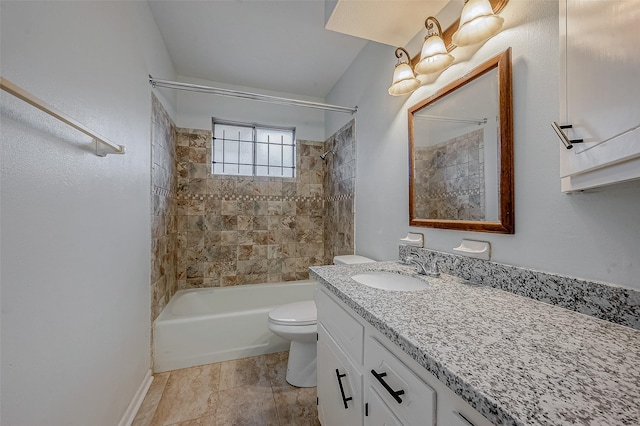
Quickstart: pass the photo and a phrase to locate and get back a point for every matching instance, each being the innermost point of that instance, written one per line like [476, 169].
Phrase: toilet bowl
[297, 322]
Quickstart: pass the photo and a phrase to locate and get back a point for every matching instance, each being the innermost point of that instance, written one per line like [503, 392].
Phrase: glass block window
[253, 149]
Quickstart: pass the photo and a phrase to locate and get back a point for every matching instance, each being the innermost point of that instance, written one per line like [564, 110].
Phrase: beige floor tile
[209, 420]
[247, 406]
[246, 392]
[276, 365]
[296, 406]
[151, 400]
[190, 393]
[243, 372]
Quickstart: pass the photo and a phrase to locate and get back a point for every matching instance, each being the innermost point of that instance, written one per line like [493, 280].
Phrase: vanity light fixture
[434, 56]
[404, 80]
[477, 23]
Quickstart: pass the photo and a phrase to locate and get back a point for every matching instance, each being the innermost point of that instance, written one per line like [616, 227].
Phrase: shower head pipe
[324, 156]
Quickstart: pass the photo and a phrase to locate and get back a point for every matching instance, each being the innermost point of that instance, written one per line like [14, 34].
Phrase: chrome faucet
[422, 266]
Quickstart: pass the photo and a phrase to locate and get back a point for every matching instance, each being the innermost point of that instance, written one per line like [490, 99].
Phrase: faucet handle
[435, 271]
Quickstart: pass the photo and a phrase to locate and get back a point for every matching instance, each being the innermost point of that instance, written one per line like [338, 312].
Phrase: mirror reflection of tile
[449, 178]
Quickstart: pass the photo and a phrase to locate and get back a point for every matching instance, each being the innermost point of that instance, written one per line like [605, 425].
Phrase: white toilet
[297, 322]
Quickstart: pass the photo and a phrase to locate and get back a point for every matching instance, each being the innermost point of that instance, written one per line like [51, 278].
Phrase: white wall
[75, 228]
[594, 235]
[196, 109]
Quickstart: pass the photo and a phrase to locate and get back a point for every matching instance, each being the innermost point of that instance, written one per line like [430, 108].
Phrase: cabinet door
[599, 92]
[378, 412]
[339, 385]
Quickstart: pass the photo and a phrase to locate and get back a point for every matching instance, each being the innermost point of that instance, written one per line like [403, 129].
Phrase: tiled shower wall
[236, 230]
[450, 179]
[164, 229]
[339, 184]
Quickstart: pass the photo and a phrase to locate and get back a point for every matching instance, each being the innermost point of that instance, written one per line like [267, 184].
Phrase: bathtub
[206, 325]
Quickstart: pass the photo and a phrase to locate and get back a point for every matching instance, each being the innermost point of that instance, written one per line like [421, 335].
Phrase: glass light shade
[434, 56]
[404, 81]
[477, 23]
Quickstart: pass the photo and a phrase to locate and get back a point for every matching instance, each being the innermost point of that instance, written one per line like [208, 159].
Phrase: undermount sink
[390, 281]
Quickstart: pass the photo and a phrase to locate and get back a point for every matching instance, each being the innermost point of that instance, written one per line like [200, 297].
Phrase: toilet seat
[295, 314]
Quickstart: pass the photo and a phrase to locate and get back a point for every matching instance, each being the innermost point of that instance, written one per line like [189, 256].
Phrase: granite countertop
[515, 360]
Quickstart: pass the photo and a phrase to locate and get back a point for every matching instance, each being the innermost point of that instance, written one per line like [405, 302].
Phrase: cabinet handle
[568, 143]
[344, 398]
[394, 394]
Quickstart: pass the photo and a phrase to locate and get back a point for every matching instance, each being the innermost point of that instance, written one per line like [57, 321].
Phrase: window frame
[254, 142]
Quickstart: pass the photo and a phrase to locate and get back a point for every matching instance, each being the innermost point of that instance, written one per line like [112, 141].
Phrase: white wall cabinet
[599, 92]
[403, 394]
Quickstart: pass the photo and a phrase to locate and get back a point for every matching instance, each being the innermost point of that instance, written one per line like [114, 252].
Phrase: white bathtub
[206, 325]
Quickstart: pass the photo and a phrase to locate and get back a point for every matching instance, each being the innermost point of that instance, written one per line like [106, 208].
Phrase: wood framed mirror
[461, 153]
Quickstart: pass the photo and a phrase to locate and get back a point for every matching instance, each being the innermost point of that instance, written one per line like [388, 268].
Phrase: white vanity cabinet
[599, 92]
[400, 393]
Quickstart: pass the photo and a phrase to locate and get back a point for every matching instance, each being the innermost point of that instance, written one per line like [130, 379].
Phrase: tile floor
[244, 392]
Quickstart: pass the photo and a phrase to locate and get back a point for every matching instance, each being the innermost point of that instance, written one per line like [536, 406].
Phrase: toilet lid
[296, 313]
[351, 259]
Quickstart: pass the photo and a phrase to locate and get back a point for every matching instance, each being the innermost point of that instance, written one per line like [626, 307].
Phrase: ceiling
[392, 22]
[279, 45]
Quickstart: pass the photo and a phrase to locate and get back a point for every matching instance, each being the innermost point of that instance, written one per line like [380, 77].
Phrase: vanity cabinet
[364, 379]
[599, 92]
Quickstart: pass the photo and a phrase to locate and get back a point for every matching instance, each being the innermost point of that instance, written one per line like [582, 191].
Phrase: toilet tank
[351, 259]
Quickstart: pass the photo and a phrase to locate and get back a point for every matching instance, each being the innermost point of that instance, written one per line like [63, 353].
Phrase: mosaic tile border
[605, 301]
[162, 192]
[340, 197]
[449, 194]
[238, 197]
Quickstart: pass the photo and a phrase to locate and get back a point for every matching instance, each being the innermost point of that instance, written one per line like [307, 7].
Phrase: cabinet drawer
[410, 399]
[345, 329]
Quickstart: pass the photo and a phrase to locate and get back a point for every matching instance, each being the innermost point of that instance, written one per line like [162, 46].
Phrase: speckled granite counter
[515, 360]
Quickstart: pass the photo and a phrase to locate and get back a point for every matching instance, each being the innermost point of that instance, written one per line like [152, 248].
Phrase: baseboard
[136, 402]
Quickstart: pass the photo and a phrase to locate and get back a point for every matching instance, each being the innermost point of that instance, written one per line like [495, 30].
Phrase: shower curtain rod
[248, 95]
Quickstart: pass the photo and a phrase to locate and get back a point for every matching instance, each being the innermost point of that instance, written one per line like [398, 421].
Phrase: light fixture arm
[429, 23]
[399, 52]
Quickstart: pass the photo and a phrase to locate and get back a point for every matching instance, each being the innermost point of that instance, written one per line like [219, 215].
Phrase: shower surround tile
[214, 230]
[339, 184]
[164, 223]
[246, 229]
